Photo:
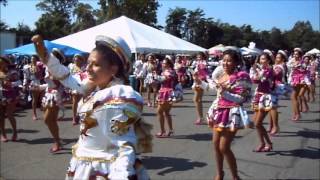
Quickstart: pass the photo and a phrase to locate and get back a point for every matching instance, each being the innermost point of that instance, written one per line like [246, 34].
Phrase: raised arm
[58, 71]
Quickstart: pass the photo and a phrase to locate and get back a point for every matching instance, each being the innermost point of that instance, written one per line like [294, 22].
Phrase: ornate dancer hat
[283, 53]
[297, 49]
[60, 53]
[119, 46]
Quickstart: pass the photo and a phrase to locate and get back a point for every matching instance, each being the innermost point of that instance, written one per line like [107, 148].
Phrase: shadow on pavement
[22, 131]
[46, 141]
[195, 137]
[63, 151]
[306, 133]
[65, 119]
[148, 114]
[308, 121]
[182, 106]
[170, 164]
[312, 153]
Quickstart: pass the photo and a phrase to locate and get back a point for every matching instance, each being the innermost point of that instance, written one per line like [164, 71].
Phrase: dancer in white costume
[110, 113]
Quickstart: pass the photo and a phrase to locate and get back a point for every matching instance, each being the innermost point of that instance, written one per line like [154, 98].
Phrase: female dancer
[280, 88]
[52, 102]
[151, 82]
[8, 96]
[298, 80]
[263, 101]
[77, 68]
[32, 77]
[140, 71]
[167, 79]
[201, 71]
[313, 68]
[110, 113]
[226, 115]
[180, 68]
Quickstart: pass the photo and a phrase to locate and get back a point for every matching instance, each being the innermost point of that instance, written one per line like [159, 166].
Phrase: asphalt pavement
[186, 155]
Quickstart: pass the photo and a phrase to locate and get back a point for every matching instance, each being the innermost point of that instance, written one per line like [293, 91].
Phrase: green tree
[176, 21]
[24, 33]
[55, 22]
[213, 35]
[84, 17]
[4, 2]
[231, 35]
[3, 26]
[301, 35]
[192, 25]
[101, 13]
[144, 11]
[248, 35]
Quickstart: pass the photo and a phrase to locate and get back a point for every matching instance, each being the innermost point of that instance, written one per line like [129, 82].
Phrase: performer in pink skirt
[167, 80]
[181, 69]
[298, 80]
[8, 97]
[280, 88]
[33, 75]
[313, 70]
[200, 72]
[263, 101]
[227, 115]
[52, 102]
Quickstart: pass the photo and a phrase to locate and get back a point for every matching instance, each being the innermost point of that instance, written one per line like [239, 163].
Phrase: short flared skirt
[299, 78]
[264, 102]
[149, 80]
[10, 95]
[165, 95]
[52, 98]
[228, 118]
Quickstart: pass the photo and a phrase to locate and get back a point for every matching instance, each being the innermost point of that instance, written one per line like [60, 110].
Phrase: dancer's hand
[40, 48]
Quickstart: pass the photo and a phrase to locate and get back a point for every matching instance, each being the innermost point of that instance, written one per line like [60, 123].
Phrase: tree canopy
[207, 32]
[63, 17]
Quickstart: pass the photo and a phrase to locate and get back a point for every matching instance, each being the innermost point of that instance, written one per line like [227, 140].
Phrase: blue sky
[260, 14]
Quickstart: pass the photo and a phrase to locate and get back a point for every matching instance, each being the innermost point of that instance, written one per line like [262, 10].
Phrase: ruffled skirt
[165, 95]
[264, 102]
[300, 78]
[52, 98]
[228, 118]
[149, 80]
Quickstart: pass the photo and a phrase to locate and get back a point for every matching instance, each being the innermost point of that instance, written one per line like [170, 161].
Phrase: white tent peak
[140, 38]
[314, 51]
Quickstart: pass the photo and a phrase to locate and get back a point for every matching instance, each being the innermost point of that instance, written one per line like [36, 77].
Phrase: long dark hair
[235, 56]
[267, 56]
[113, 60]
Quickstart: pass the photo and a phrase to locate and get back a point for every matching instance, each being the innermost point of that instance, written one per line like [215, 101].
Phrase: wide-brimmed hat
[283, 53]
[60, 53]
[119, 46]
[297, 49]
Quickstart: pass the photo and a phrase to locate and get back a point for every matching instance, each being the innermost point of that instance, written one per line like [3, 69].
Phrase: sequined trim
[121, 100]
[74, 148]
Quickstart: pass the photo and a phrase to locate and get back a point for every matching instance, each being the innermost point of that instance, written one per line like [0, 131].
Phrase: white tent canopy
[140, 38]
[251, 49]
[314, 51]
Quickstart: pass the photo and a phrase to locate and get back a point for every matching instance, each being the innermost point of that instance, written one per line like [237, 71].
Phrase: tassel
[143, 132]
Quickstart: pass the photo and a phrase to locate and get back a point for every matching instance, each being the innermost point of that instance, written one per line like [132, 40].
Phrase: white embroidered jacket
[107, 117]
